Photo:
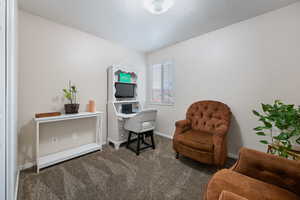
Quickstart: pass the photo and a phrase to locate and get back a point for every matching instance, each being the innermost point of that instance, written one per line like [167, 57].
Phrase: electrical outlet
[54, 140]
[74, 136]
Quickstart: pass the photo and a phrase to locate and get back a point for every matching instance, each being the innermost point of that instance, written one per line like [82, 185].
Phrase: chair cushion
[246, 187]
[197, 140]
[146, 126]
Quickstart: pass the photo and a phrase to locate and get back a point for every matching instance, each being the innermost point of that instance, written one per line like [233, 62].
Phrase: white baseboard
[163, 135]
[234, 156]
[17, 185]
[27, 165]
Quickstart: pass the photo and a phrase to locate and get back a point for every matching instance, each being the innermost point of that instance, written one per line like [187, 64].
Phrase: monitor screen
[124, 90]
[125, 77]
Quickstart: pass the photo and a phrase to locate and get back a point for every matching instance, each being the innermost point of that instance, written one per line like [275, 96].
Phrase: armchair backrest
[269, 168]
[136, 123]
[209, 116]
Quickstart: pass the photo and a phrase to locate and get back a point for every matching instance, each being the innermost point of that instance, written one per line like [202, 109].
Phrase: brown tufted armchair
[202, 135]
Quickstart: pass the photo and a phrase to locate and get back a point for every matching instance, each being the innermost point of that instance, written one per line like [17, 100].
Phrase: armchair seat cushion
[247, 187]
[197, 140]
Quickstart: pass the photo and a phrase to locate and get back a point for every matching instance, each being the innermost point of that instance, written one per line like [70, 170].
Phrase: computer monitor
[124, 90]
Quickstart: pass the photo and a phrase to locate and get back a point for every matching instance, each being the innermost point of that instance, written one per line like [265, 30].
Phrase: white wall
[245, 64]
[51, 54]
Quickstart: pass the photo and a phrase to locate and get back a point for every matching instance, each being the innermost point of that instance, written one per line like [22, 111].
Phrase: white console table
[45, 161]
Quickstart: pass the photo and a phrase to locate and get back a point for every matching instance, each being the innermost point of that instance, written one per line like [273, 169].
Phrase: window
[162, 83]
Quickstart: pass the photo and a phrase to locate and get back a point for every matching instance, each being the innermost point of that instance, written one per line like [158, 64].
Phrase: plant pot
[71, 108]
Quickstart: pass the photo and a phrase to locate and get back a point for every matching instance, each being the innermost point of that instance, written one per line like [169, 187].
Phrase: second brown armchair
[256, 175]
[202, 135]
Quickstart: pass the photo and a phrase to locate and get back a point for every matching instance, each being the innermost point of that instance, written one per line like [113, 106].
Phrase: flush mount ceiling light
[158, 7]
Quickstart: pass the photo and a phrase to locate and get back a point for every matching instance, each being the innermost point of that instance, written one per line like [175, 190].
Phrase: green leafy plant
[70, 93]
[280, 122]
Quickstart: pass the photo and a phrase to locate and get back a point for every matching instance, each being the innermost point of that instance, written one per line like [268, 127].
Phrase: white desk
[45, 161]
[126, 116]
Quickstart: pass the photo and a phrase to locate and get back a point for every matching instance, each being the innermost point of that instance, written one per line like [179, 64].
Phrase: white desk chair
[142, 124]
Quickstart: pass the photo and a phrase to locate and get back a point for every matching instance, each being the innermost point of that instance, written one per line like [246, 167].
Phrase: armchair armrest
[181, 127]
[182, 124]
[270, 169]
[225, 195]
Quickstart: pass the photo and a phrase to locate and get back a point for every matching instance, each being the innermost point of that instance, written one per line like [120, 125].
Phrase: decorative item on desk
[125, 77]
[52, 114]
[71, 95]
[92, 106]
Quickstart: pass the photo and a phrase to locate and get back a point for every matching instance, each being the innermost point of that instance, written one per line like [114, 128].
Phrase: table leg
[97, 130]
[100, 130]
[37, 146]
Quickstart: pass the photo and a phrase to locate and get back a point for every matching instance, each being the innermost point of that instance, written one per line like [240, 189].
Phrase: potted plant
[71, 95]
[281, 123]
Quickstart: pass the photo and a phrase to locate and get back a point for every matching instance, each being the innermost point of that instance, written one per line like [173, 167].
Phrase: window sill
[161, 104]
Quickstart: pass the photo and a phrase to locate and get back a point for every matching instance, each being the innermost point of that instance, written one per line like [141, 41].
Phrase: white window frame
[151, 102]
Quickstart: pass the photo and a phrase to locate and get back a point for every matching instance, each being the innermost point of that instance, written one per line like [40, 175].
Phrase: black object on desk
[127, 109]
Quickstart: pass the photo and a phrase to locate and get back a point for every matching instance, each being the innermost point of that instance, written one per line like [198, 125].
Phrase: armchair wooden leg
[220, 166]
[177, 155]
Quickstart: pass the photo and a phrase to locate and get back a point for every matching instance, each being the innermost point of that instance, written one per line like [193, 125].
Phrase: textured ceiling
[127, 23]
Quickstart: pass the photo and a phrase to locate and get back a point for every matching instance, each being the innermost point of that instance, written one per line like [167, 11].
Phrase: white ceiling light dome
[158, 7]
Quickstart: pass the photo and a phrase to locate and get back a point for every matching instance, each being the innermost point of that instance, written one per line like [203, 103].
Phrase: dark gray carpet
[120, 175]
